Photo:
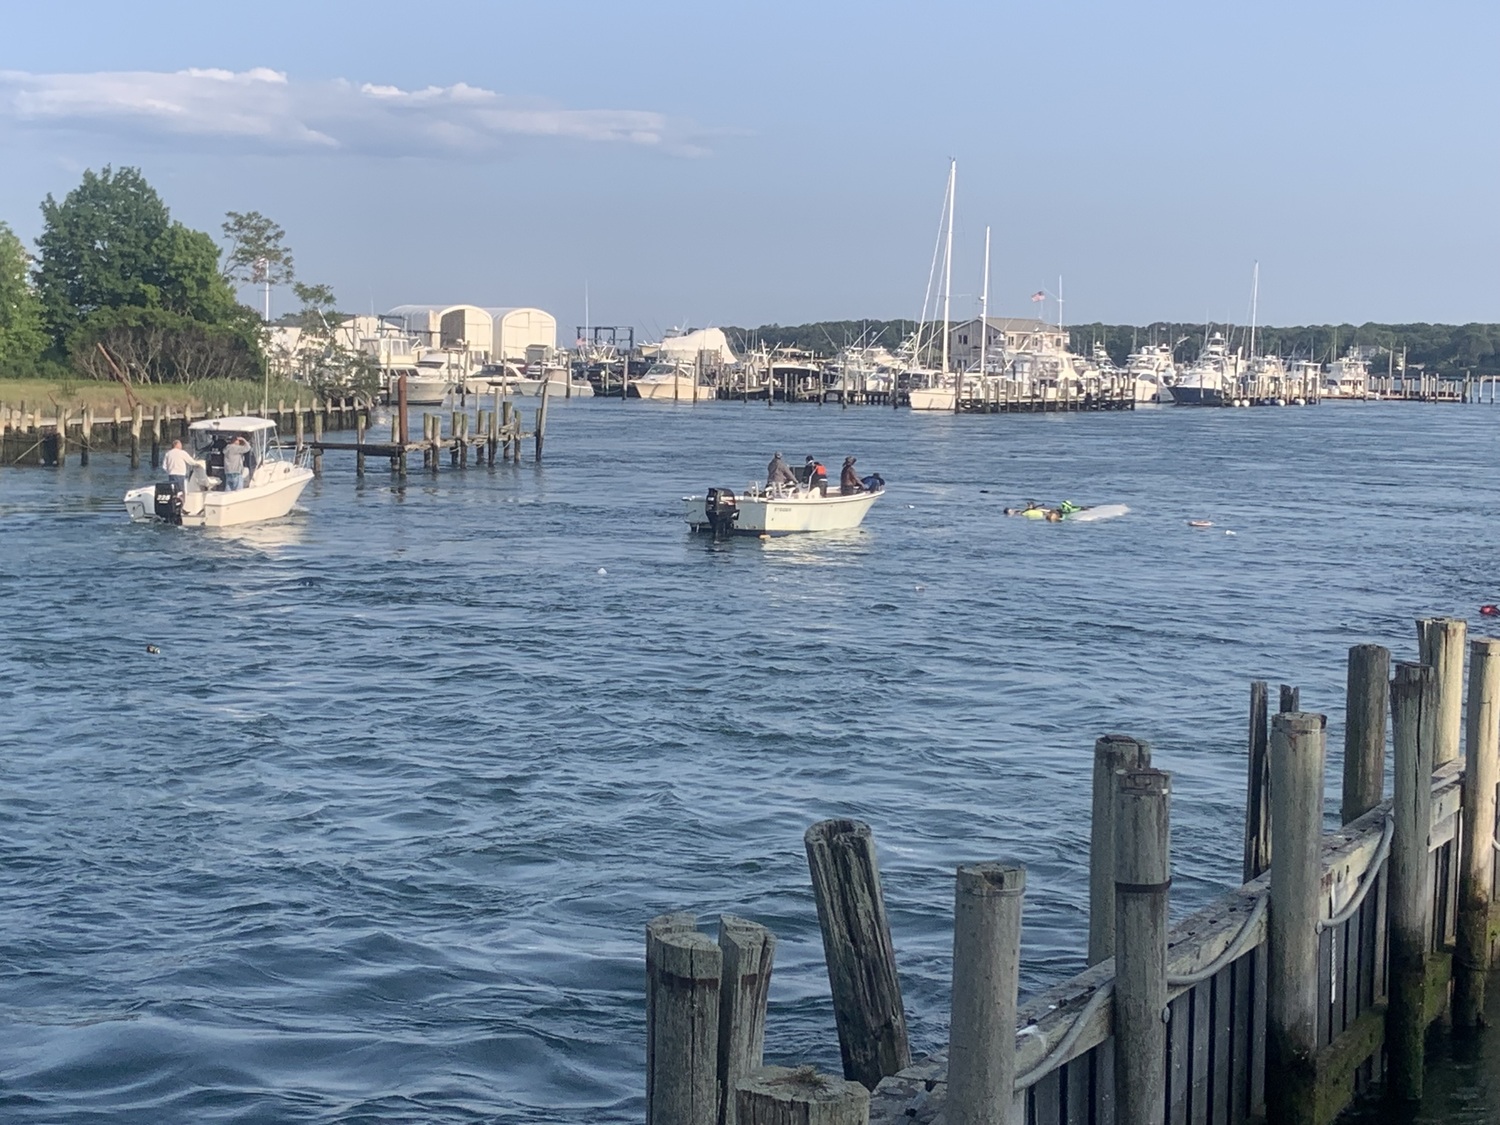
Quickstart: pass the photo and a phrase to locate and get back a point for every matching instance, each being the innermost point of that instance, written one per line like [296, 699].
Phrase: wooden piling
[683, 969]
[317, 452]
[86, 436]
[1143, 874]
[1414, 705]
[62, 438]
[780, 1095]
[748, 950]
[359, 440]
[1291, 700]
[1365, 701]
[857, 946]
[1440, 641]
[1112, 753]
[493, 442]
[541, 420]
[156, 435]
[1258, 787]
[1473, 955]
[986, 974]
[1297, 771]
[137, 422]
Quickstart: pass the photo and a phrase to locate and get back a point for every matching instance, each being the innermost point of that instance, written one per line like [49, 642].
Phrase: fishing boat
[670, 381]
[781, 509]
[1211, 379]
[274, 483]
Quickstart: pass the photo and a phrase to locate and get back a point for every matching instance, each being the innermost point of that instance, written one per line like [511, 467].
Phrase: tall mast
[1059, 303]
[1254, 298]
[948, 261]
[984, 304]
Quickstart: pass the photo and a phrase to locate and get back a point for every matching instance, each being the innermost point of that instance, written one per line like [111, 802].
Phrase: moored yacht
[1210, 380]
[669, 380]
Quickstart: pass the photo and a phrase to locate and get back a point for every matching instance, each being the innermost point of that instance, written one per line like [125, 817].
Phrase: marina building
[1011, 333]
[491, 333]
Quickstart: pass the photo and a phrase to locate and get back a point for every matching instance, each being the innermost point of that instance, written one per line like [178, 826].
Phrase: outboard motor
[168, 503]
[721, 510]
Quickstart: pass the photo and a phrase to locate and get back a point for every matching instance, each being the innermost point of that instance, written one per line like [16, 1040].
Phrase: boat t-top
[268, 484]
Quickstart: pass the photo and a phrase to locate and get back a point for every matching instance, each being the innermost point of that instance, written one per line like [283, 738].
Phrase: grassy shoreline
[102, 397]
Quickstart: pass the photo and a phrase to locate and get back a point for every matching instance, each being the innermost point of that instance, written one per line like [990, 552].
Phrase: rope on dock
[1232, 952]
[1367, 880]
[1065, 1045]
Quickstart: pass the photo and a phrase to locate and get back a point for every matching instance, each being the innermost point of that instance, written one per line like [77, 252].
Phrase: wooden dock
[1281, 1001]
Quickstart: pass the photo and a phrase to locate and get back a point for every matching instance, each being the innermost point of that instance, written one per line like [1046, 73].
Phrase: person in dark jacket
[849, 480]
[817, 475]
[779, 472]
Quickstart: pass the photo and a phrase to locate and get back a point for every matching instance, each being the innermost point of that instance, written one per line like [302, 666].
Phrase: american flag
[1039, 295]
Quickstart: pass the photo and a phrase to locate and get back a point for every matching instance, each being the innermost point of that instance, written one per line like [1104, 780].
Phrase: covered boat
[271, 487]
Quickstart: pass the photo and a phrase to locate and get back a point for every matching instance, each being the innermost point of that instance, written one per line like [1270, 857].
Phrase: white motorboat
[671, 381]
[557, 380]
[274, 483]
[778, 510]
[1152, 370]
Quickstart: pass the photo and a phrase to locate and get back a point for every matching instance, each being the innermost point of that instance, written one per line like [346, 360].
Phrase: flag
[1039, 295]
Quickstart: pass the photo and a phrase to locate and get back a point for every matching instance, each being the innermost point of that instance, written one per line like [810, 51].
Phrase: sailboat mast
[1254, 299]
[984, 304]
[948, 261]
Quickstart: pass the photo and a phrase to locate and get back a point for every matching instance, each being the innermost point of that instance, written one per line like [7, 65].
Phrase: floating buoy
[1229, 533]
[603, 571]
[153, 650]
[1489, 611]
[1200, 523]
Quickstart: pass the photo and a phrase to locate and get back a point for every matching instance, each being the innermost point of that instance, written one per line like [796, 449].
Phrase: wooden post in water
[857, 946]
[748, 950]
[1440, 641]
[1414, 705]
[1472, 957]
[1112, 753]
[494, 436]
[1258, 788]
[986, 973]
[454, 434]
[156, 437]
[359, 440]
[86, 435]
[317, 440]
[683, 968]
[780, 1095]
[1297, 769]
[137, 423]
[1291, 699]
[1143, 874]
[541, 420]
[1366, 698]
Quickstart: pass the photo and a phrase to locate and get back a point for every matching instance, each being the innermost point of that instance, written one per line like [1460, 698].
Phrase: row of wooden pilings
[28, 437]
[1279, 1002]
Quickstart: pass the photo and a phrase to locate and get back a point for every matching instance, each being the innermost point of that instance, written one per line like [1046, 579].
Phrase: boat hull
[269, 499]
[1198, 396]
[670, 390]
[789, 515]
[932, 398]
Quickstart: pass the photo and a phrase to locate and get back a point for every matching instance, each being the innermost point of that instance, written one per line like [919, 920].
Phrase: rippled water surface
[374, 837]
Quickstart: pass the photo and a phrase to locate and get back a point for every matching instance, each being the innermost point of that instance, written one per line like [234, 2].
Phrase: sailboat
[937, 390]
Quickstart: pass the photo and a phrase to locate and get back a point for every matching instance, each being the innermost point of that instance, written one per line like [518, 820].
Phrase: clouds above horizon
[265, 110]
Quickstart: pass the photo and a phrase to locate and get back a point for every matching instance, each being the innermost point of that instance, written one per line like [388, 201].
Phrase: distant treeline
[1451, 349]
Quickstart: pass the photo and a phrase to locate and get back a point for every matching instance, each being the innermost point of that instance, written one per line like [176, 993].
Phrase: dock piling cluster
[1312, 983]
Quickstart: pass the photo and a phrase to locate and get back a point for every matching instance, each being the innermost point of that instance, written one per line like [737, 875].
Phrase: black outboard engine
[721, 510]
[168, 503]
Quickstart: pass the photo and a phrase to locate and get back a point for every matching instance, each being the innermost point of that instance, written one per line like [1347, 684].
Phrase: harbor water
[373, 837]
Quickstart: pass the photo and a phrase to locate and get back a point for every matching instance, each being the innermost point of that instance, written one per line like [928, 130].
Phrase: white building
[1012, 333]
[490, 334]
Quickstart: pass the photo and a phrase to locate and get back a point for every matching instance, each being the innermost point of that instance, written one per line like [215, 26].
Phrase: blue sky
[746, 163]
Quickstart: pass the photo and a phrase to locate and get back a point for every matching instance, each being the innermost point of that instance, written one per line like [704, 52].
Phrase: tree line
[1448, 349]
[118, 289]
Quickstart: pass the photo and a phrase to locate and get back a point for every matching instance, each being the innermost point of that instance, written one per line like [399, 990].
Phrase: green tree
[22, 339]
[257, 253]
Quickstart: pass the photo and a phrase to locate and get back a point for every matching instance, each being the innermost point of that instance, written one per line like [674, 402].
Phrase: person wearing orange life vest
[817, 475]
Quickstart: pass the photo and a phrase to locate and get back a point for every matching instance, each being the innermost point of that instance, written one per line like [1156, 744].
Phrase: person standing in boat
[779, 472]
[817, 475]
[849, 482]
[235, 454]
[178, 464]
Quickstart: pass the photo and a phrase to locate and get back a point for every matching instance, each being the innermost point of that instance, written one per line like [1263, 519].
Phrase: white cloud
[264, 109]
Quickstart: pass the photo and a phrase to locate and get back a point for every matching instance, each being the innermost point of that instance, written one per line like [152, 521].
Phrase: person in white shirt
[178, 465]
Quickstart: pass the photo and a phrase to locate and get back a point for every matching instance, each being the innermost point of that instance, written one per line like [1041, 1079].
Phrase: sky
[664, 164]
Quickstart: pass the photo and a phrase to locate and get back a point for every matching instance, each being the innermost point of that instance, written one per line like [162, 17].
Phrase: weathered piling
[1440, 643]
[1257, 787]
[359, 438]
[683, 970]
[1112, 753]
[986, 974]
[1473, 954]
[748, 951]
[317, 457]
[156, 437]
[1291, 700]
[1414, 705]
[137, 422]
[1143, 874]
[779, 1095]
[1297, 764]
[857, 946]
[541, 420]
[1366, 698]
